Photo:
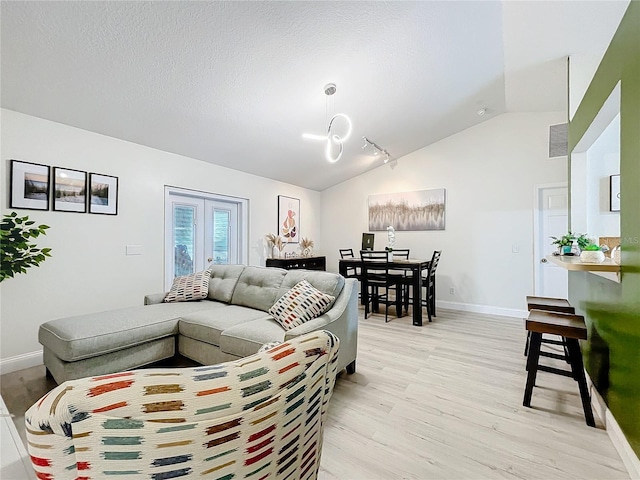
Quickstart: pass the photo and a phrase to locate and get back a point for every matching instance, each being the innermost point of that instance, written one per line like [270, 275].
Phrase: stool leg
[526, 345]
[566, 351]
[578, 373]
[532, 366]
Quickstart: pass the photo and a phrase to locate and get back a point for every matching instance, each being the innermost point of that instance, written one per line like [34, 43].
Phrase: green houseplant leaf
[18, 252]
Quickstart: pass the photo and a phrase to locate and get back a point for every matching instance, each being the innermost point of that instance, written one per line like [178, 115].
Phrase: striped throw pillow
[300, 304]
[189, 287]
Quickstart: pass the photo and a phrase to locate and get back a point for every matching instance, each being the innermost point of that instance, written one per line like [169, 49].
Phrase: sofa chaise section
[104, 342]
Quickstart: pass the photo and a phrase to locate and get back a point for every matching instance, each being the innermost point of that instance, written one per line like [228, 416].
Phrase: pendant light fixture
[338, 122]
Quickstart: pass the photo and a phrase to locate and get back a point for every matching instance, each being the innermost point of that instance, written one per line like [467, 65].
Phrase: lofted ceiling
[237, 83]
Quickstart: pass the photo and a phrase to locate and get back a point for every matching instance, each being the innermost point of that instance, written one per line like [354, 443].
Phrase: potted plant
[583, 241]
[18, 252]
[564, 243]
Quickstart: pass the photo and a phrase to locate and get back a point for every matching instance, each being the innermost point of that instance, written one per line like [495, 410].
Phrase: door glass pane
[183, 239]
[221, 219]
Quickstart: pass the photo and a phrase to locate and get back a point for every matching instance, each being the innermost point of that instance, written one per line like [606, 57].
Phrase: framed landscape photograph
[614, 190]
[289, 219]
[29, 185]
[104, 194]
[69, 190]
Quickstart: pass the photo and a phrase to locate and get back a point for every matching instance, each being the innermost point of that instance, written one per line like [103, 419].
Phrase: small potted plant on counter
[564, 243]
[592, 254]
[583, 241]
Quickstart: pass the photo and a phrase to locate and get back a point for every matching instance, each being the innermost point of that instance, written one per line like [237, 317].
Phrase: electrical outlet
[452, 291]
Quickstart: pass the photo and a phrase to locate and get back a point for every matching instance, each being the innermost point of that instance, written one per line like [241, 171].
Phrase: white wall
[603, 160]
[489, 172]
[89, 271]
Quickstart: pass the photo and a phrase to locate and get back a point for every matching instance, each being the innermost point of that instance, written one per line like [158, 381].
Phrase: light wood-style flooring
[442, 401]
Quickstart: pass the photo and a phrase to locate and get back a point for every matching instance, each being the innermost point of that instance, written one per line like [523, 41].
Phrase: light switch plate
[134, 249]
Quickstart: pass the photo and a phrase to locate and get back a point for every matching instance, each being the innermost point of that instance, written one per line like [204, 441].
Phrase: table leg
[417, 296]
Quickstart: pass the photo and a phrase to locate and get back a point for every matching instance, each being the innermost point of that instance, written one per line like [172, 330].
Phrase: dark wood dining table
[413, 265]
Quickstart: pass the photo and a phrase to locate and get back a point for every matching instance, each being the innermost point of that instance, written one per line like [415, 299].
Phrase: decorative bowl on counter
[592, 256]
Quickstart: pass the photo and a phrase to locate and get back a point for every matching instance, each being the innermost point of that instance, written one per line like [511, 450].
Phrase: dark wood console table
[306, 263]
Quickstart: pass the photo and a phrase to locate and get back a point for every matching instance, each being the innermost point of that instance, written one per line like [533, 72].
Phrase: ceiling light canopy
[339, 122]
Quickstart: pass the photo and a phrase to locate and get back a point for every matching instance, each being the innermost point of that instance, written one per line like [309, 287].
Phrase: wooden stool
[550, 305]
[571, 328]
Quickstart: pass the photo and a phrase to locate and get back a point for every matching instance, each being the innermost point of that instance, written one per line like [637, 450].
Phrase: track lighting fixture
[331, 137]
[377, 149]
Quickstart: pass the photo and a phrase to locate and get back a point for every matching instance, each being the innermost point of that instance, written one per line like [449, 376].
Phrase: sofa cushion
[258, 287]
[247, 338]
[223, 281]
[189, 287]
[327, 282]
[208, 325]
[85, 336]
[303, 302]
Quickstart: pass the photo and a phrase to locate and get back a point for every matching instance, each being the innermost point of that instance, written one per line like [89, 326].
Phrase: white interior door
[553, 220]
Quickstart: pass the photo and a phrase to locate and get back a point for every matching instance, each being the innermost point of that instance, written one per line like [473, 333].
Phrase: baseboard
[486, 309]
[620, 442]
[20, 362]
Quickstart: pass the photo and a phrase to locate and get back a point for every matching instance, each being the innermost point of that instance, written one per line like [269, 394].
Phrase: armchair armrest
[154, 298]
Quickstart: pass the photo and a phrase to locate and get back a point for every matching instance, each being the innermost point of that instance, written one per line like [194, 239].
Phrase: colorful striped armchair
[255, 418]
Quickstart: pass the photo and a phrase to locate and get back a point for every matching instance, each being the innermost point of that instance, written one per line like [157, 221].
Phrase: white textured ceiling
[237, 83]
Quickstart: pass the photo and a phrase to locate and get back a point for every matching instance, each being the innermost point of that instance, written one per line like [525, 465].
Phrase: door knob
[209, 259]
[544, 260]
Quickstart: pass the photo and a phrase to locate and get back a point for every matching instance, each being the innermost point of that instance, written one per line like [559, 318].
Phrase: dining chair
[429, 282]
[403, 254]
[376, 276]
[352, 272]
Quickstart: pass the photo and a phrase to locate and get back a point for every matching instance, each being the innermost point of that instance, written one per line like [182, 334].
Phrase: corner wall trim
[620, 442]
[486, 309]
[20, 362]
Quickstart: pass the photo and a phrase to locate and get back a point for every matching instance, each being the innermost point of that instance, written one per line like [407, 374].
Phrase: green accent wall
[612, 310]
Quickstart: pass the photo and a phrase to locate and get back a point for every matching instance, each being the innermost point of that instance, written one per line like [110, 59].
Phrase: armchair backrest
[261, 414]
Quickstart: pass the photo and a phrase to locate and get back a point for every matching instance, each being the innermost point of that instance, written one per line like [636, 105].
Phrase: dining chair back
[402, 253]
[352, 272]
[346, 253]
[429, 282]
[379, 283]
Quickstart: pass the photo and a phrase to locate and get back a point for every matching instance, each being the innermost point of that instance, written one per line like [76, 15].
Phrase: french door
[201, 230]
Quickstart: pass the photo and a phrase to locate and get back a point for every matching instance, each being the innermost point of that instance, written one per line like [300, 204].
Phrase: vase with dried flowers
[271, 243]
[279, 246]
[306, 245]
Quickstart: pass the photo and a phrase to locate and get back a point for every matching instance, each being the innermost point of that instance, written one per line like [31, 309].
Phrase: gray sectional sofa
[231, 323]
